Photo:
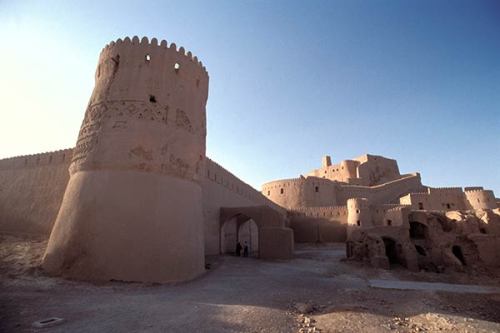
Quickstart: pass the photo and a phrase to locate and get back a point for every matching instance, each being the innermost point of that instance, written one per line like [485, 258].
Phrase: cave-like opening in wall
[457, 252]
[393, 251]
[418, 230]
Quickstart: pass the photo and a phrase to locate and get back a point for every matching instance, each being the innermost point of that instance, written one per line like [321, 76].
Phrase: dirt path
[316, 291]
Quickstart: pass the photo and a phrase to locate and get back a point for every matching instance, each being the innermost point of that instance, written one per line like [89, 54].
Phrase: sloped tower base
[127, 225]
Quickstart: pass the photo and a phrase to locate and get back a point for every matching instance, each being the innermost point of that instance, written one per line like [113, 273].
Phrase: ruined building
[388, 218]
[137, 199]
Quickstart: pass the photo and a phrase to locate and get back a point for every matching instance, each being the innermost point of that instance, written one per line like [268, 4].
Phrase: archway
[248, 235]
[229, 236]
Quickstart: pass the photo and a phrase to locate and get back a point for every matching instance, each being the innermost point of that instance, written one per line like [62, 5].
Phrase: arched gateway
[261, 227]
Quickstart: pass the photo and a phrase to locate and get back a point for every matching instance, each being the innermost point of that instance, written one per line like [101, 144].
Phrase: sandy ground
[317, 291]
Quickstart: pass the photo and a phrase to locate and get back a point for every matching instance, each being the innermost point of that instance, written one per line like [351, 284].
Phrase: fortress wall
[319, 224]
[301, 192]
[31, 191]
[389, 192]
[375, 170]
[443, 199]
[446, 198]
[341, 172]
[221, 188]
[480, 199]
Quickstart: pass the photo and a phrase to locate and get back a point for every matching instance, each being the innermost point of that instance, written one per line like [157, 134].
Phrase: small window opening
[282, 191]
[478, 200]
[358, 222]
[482, 230]
[268, 192]
[152, 98]
[316, 189]
[357, 211]
[420, 206]
[448, 206]
[147, 58]
[389, 222]
[177, 66]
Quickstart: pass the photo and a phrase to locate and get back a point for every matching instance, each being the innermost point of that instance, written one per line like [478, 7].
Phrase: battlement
[35, 160]
[320, 212]
[147, 44]
[444, 189]
[476, 190]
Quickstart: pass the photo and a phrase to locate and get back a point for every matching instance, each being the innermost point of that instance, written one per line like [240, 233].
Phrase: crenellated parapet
[301, 192]
[219, 175]
[480, 199]
[56, 157]
[147, 98]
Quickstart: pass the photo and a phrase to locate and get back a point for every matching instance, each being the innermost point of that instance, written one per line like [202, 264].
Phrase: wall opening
[391, 251]
[420, 206]
[482, 230]
[389, 222]
[448, 206]
[420, 250]
[248, 235]
[457, 251]
[316, 189]
[358, 222]
[147, 58]
[152, 98]
[282, 191]
[418, 230]
[177, 66]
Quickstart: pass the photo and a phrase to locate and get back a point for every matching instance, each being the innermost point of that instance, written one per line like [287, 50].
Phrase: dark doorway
[417, 230]
[390, 250]
[457, 251]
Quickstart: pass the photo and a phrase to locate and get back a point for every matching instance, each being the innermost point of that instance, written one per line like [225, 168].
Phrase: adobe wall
[319, 224]
[448, 199]
[31, 191]
[389, 192]
[375, 170]
[480, 199]
[223, 189]
[345, 171]
[301, 192]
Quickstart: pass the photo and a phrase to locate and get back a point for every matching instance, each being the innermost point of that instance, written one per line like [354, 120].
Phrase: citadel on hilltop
[137, 199]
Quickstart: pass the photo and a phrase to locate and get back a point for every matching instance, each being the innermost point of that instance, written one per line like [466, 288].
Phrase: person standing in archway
[245, 250]
[238, 249]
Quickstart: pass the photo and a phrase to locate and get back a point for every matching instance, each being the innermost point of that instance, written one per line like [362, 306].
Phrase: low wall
[31, 191]
[319, 224]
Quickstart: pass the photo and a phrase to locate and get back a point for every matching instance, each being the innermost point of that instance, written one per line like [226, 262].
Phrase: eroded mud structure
[387, 218]
[137, 199]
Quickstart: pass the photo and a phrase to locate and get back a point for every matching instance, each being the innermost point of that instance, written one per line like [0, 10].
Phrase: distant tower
[132, 209]
[358, 214]
[326, 161]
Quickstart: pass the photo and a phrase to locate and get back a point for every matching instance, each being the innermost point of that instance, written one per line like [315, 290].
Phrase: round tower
[358, 214]
[132, 208]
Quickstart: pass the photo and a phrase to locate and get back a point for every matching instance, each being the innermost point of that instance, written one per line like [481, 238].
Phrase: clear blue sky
[290, 81]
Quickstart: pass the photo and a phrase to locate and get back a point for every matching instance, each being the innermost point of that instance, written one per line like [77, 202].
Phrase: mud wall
[31, 191]
[319, 224]
[223, 189]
